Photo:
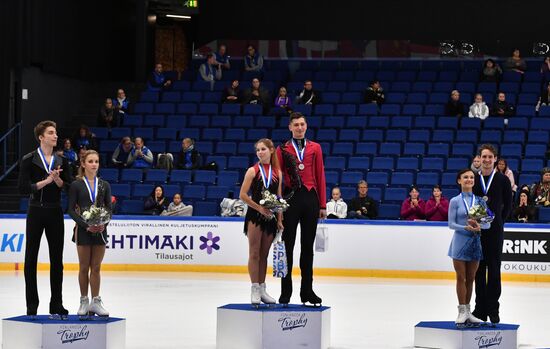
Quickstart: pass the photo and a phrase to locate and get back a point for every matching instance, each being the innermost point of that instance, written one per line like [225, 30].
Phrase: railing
[10, 150]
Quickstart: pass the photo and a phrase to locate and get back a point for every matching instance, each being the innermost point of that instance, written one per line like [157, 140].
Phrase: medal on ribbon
[486, 187]
[466, 206]
[300, 154]
[91, 191]
[47, 166]
[266, 178]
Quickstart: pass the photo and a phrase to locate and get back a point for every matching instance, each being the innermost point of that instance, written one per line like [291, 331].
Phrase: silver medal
[301, 167]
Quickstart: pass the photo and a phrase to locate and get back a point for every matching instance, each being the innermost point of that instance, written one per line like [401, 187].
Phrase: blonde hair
[80, 174]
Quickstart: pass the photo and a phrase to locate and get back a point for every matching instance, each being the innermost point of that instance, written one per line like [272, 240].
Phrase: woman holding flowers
[90, 197]
[261, 224]
[465, 249]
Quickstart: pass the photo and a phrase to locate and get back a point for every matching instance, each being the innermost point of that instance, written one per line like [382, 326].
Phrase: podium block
[44, 333]
[240, 326]
[445, 334]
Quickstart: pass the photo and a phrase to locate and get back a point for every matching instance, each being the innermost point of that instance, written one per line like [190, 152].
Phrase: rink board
[444, 334]
[239, 326]
[44, 333]
[387, 248]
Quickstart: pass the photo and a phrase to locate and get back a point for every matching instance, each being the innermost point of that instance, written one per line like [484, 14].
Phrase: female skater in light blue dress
[465, 249]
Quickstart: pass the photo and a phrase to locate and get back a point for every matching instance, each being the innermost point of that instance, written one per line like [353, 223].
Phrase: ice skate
[472, 320]
[310, 299]
[265, 297]
[495, 319]
[255, 296]
[31, 313]
[461, 320]
[83, 309]
[57, 312]
[96, 307]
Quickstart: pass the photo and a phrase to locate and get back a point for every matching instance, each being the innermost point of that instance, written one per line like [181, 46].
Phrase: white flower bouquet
[480, 212]
[273, 202]
[96, 215]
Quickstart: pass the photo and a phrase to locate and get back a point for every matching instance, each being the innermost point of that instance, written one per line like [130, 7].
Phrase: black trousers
[40, 219]
[488, 284]
[304, 209]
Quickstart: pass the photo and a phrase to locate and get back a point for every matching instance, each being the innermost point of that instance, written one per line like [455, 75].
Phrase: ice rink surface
[178, 310]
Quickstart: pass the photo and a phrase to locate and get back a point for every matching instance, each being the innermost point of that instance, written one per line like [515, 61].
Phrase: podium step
[244, 327]
[21, 332]
[445, 334]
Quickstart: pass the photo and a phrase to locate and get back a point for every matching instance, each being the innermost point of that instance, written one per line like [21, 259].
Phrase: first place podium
[240, 326]
[445, 334]
[45, 333]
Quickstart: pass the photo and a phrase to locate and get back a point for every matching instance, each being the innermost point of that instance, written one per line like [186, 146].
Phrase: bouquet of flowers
[480, 212]
[96, 215]
[273, 202]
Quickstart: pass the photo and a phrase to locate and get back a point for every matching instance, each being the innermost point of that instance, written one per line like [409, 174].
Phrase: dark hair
[155, 188]
[41, 127]
[514, 50]
[413, 187]
[505, 164]
[210, 55]
[436, 186]
[489, 60]
[306, 81]
[372, 82]
[295, 115]
[488, 147]
[463, 171]
[125, 139]
[86, 129]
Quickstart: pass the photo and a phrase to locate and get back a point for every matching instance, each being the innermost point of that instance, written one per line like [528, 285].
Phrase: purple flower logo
[209, 242]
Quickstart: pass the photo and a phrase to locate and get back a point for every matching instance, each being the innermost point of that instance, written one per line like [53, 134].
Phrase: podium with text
[445, 334]
[240, 326]
[44, 333]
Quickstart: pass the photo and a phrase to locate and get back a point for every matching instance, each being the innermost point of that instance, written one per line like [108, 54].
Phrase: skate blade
[312, 305]
[58, 317]
[32, 317]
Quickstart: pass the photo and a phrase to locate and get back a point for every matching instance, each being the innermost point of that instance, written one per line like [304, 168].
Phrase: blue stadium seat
[396, 135]
[176, 121]
[131, 175]
[373, 135]
[142, 191]
[121, 190]
[180, 85]
[156, 147]
[434, 164]
[351, 177]
[396, 98]
[531, 165]
[343, 148]
[302, 108]
[194, 191]
[383, 163]
[366, 148]
[528, 178]
[145, 133]
[401, 122]
[217, 192]
[535, 150]
[244, 121]
[187, 108]
[416, 149]
[228, 178]
[525, 110]
[351, 98]
[390, 149]
[540, 123]
[171, 189]
[131, 207]
[334, 122]
[235, 134]
[345, 109]
[375, 192]
[191, 97]
[245, 148]
[401, 86]
[419, 136]
[331, 97]
[256, 134]
[220, 160]
[422, 86]
[109, 174]
[167, 133]
[389, 211]
[193, 133]
[252, 109]
[212, 134]
[149, 96]
[544, 215]
[200, 121]
[407, 163]
[448, 122]
[154, 120]
[223, 121]
[348, 192]
[438, 149]
[443, 136]
[417, 98]
[335, 163]
[332, 178]
[158, 176]
[208, 109]
[424, 122]
[382, 122]
[327, 135]
[180, 176]
[457, 164]
[491, 136]
[349, 135]
[511, 151]
[359, 163]
[212, 97]
[463, 149]
[390, 109]
[403, 178]
[413, 109]
[395, 194]
[266, 122]
[100, 132]
[132, 121]
[204, 147]
[108, 146]
[230, 109]
[377, 178]
[119, 132]
[171, 96]
[538, 137]
[368, 109]
[470, 123]
[427, 178]
[238, 162]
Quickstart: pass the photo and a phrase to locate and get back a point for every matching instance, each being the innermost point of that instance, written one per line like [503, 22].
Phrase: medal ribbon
[299, 153]
[91, 192]
[266, 179]
[47, 167]
[466, 204]
[484, 186]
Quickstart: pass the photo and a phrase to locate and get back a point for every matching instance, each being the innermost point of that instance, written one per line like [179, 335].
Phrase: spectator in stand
[336, 207]
[362, 206]
[156, 203]
[476, 164]
[479, 109]
[177, 208]
[107, 115]
[222, 59]
[68, 152]
[157, 80]
[283, 101]
[121, 104]
[375, 93]
[413, 208]
[210, 71]
[81, 152]
[257, 95]
[502, 167]
[544, 98]
[189, 158]
[524, 212]
[515, 63]
[232, 94]
[309, 95]
[85, 139]
[545, 67]
[454, 106]
[502, 107]
[253, 61]
[437, 208]
[491, 71]
[540, 193]
[122, 152]
[140, 156]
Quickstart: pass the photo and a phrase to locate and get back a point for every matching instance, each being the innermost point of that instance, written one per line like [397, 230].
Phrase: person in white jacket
[479, 109]
[336, 207]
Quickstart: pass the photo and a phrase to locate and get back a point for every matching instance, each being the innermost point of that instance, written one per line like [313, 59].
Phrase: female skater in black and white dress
[90, 240]
[260, 226]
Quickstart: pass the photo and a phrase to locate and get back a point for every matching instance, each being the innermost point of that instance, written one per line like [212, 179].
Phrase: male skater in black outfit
[43, 175]
[495, 189]
[304, 174]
